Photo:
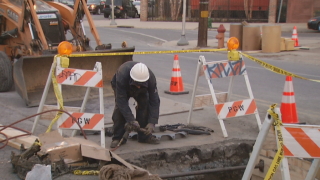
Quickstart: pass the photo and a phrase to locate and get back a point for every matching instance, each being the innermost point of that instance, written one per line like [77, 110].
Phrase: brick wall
[299, 11]
[316, 6]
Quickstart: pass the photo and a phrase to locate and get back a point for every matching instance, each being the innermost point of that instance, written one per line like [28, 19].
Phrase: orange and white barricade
[300, 141]
[77, 77]
[224, 108]
[89, 79]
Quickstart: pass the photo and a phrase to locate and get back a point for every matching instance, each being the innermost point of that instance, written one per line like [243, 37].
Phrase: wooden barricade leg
[313, 169]
[102, 134]
[43, 100]
[284, 165]
[257, 147]
[230, 89]
[194, 91]
[60, 88]
[251, 96]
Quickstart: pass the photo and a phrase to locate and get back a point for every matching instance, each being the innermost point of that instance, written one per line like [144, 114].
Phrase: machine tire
[6, 74]
[136, 15]
[99, 11]
[319, 26]
[106, 15]
[124, 15]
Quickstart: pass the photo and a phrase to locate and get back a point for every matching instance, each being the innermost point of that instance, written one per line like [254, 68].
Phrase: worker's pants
[119, 121]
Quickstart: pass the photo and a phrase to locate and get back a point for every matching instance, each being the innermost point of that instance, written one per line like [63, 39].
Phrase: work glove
[132, 126]
[149, 129]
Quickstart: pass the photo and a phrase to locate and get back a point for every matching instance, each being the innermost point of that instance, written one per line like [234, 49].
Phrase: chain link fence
[219, 10]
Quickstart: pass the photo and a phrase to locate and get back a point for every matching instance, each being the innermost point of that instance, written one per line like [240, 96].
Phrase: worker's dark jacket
[124, 88]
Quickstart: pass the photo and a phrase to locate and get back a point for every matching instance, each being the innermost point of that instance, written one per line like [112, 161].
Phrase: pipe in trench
[206, 171]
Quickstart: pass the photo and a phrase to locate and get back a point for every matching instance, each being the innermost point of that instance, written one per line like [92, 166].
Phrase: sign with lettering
[236, 108]
[88, 121]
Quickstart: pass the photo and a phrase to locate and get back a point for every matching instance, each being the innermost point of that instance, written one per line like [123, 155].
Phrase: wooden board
[270, 142]
[51, 115]
[296, 173]
[206, 99]
[27, 141]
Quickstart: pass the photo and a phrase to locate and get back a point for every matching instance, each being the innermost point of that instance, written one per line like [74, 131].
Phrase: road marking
[142, 35]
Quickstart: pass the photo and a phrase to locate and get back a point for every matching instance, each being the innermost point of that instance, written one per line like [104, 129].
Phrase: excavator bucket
[31, 74]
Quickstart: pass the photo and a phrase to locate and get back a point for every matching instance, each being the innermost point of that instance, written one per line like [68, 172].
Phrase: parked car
[314, 23]
[137, 5]
[122, 8]
[95, 6]
[69, 3]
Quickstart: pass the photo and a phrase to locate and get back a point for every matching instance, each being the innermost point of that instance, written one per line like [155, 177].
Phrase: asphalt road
[267, 86]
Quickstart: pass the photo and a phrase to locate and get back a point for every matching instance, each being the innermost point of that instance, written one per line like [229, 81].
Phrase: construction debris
[39, 172]
[190, 129]
[118, 172]
[68, 155]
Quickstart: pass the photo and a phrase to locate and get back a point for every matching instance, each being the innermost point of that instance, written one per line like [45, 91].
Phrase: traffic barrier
[301, 141]
[221, 101]
[75, 77]
[89, 79]
[295, 36]
[288, 103]
[176, 84]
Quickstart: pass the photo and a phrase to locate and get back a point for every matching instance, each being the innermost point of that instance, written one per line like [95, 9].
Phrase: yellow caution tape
[279, 155]
[57, 93]
[145, 52]
[37, 143]
[91, 172]
[276, 69]
[262, 63]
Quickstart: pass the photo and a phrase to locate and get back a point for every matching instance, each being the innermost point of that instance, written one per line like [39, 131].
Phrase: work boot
[115, 143]
[152, 140]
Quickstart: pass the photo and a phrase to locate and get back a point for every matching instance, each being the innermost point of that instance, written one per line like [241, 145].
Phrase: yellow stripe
[279, 155]
[276, 69]
[145, 52]
[57, 93]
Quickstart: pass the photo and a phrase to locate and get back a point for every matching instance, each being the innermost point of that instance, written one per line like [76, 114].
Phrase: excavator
[30, 32]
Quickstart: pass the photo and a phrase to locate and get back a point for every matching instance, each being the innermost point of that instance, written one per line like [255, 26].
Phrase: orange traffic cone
[176, 85]
[295, 36]
[288, 105]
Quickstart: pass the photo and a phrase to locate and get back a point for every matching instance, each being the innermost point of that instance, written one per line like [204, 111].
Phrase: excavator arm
[37, 23]
[83, 5]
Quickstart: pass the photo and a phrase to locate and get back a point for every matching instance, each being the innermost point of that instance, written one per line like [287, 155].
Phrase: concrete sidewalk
[136, 23]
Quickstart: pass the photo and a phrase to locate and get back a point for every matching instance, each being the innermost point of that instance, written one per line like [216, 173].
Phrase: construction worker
[134, 79]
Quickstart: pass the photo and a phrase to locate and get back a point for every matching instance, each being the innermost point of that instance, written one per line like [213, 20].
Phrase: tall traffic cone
[288, 105]
[176, 85]
[295, 36]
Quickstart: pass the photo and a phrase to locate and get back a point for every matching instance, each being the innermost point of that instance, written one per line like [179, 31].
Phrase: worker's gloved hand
[132, 126]
[149, 128]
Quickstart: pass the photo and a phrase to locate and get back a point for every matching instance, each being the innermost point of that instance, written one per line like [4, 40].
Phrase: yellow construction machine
[31, 30]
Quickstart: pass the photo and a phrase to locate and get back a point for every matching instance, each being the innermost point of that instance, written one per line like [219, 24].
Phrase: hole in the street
[190, 163]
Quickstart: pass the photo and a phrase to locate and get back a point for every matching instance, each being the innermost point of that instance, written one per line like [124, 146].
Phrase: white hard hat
[139, 72]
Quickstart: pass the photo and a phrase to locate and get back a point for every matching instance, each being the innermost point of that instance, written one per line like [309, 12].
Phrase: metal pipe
[207, 171]
[30, 28]
[113, 22]
[84, 32]
[279, 11]
[183, 41]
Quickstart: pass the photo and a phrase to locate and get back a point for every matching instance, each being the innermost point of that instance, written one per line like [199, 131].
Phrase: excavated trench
[224, 154]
